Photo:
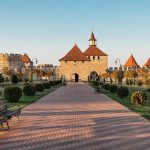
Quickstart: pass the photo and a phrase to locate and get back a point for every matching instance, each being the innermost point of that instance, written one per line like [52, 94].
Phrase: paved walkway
[74, 117]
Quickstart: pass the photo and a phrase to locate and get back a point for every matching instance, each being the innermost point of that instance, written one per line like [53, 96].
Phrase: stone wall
[83, 68]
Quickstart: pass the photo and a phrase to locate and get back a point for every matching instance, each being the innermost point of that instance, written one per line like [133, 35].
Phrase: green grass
[26, 100]
[144, 110]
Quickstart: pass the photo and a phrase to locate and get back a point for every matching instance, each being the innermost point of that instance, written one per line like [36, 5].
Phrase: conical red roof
[92, 38]
[147, 64]
[131, 62]
[25, 58]
[94, 51]
[75, 54]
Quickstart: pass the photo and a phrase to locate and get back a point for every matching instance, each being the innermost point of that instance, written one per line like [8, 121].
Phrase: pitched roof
[75, 54]
[131, 62]
[25, 58]
[147, 63]
[94, 51]
[92, 38]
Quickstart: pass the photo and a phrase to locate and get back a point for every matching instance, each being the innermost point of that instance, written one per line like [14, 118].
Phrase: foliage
[139, 82]
[29, 90]
[113, 88]
[47, 85]
[14, 79]
[95, 83]
[120, 76]
[122, 92]
[12, 94]
[6, 79]
[39, 87]
[106, 86]
[138, 98]
[1, 78]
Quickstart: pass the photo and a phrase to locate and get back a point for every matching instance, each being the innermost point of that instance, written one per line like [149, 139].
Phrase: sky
[48, 29]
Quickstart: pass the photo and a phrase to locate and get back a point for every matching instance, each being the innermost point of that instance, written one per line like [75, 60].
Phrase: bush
[1, 78]
[122, 92]
[113, 88]
[6, 79]
[95, 83]
[29, 90]
[12, 94]
[138, 98]
[55, 82]
[39, 87]
[139, 82]
[14, 79]
[106, 86]
[47, 85]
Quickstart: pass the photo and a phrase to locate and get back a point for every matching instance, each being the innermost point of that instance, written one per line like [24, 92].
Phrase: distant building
[11, 62]
[131, 64]
[147, 64]
[77, 65]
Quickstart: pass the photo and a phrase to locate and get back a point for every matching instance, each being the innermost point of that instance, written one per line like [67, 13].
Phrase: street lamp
[120, 73]
[31, 70]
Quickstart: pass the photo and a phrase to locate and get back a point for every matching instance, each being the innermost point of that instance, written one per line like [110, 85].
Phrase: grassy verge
[26, 100]
[144, 110]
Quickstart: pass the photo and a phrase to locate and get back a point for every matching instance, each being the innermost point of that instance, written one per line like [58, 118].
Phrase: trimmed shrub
[1, 78]
[47, 85]
[95, 83]
[138, 98]
[12, 94]
[106, 86]
[122, 92]
[113, 88]
[55, 82]
[14, 79]
[29, 90]
[39, 87]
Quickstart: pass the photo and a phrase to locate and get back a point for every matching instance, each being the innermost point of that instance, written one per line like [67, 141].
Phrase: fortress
[82, 66]
[11, 61]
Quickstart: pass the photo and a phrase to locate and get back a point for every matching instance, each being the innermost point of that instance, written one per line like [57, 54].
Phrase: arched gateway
[93, 75]
[75, 77]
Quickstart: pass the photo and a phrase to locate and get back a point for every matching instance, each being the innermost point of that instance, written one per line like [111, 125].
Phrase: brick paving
[74, 117]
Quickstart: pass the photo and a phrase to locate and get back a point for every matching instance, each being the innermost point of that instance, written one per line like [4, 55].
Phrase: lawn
[144, 110]
[26, 100]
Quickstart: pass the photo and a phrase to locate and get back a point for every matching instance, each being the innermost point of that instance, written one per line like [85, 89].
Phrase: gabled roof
[131, 62]
[94, 51]
[75, 54]
[26, 59]
[92, 38]
[147, 64]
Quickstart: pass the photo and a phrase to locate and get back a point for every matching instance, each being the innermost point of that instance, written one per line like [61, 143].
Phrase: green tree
[14, 79]
[1, 78]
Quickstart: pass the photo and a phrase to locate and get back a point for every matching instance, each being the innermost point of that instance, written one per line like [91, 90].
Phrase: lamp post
[120, 73]
[31, 70]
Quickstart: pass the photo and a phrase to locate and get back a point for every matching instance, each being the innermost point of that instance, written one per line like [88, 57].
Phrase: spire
[92, 39]
[131, 62]
[147, 64]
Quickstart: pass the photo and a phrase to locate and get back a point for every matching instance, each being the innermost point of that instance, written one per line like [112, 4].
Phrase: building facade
[82, 66]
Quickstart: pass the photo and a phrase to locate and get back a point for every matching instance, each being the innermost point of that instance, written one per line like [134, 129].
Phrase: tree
[109, 73]
[14, 79]
[1, 78]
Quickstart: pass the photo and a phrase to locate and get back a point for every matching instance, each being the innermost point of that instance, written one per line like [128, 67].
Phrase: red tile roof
[94, 51]
[92, 38]
[75, 54]
[131, 62]
[147, 64]
[25, 58]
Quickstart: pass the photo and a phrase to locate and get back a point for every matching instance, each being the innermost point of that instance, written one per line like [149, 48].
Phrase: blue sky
[47, 29]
